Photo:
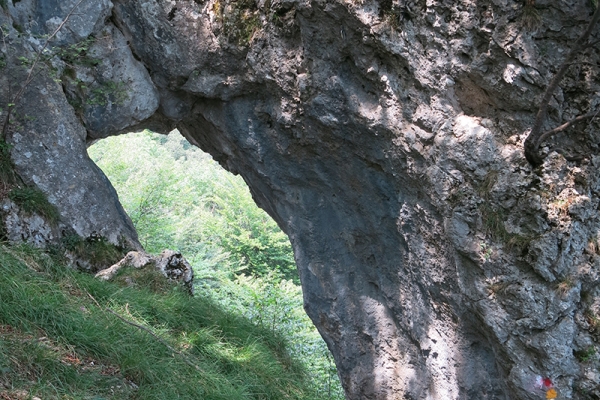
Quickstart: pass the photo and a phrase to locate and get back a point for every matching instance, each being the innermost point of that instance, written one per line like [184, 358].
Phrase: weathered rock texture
[385, 137]
[171, 264]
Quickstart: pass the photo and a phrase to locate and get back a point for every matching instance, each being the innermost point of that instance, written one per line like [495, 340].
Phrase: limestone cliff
[385, 138]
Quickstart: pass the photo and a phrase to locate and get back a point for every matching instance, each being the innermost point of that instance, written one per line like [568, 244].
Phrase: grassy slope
[58, 340]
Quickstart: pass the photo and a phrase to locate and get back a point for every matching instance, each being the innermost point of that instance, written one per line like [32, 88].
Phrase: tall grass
[60, 339]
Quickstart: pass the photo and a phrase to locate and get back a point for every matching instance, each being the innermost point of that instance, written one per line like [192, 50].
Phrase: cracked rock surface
[385, 138]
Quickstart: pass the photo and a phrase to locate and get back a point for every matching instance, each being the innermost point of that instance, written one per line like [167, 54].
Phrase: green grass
[32, 200]
[58, 340]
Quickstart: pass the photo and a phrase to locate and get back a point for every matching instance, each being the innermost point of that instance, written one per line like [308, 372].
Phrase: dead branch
[534, 139]
[567, 124]
[31, 75]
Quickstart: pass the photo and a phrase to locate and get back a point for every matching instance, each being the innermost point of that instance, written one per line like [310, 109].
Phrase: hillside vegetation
[65, 335]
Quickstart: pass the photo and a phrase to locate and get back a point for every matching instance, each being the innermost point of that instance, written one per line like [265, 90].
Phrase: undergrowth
[65, 335]
[96, 250]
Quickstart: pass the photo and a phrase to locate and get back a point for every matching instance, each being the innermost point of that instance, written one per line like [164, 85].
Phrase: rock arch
[385, 140]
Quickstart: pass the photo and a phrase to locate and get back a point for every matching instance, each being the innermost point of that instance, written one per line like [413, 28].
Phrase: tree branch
[567, 124]
[534, 139]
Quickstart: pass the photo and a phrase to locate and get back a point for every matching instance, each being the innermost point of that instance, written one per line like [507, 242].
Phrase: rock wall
[385, 138]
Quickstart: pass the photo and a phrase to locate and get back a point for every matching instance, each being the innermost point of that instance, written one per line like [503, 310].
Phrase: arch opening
[179, 198]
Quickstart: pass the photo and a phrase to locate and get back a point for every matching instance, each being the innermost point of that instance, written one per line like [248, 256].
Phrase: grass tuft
[148, 277]
[493, 221]
[60, 339]
[586, 354]
[33, 200]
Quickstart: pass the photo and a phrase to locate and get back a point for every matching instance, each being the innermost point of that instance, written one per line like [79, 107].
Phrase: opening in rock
[179, 198]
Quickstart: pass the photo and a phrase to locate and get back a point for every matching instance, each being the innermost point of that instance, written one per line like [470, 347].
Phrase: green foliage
[98, 94]
[97, 250]
[113, 92]
[240, 19]
[586, 354]
[275, 304]
[33, 200]
[64, 334]
[26, 62]
[4, 5]
[179, 198]
[77, 53]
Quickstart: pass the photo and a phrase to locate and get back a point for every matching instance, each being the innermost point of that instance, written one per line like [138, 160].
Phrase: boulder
[170, 264]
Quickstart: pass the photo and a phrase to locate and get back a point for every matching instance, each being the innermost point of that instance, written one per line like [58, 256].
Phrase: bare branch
[533, 141]
[567, 124]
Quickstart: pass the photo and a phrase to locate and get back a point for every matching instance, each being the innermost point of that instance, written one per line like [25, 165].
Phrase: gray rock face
[48, 144]
[21, 227]
[386, 139]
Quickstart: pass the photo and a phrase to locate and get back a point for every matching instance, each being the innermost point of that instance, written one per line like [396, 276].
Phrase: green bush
[96, 250]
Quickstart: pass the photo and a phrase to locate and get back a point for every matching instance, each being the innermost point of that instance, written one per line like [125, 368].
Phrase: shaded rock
[23, 227]
[48, 151]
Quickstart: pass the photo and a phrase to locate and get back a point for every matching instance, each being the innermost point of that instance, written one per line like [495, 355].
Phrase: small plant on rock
[8, 176]
[97, 250]
[565, 285]
[586, 354]
[33, 200]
